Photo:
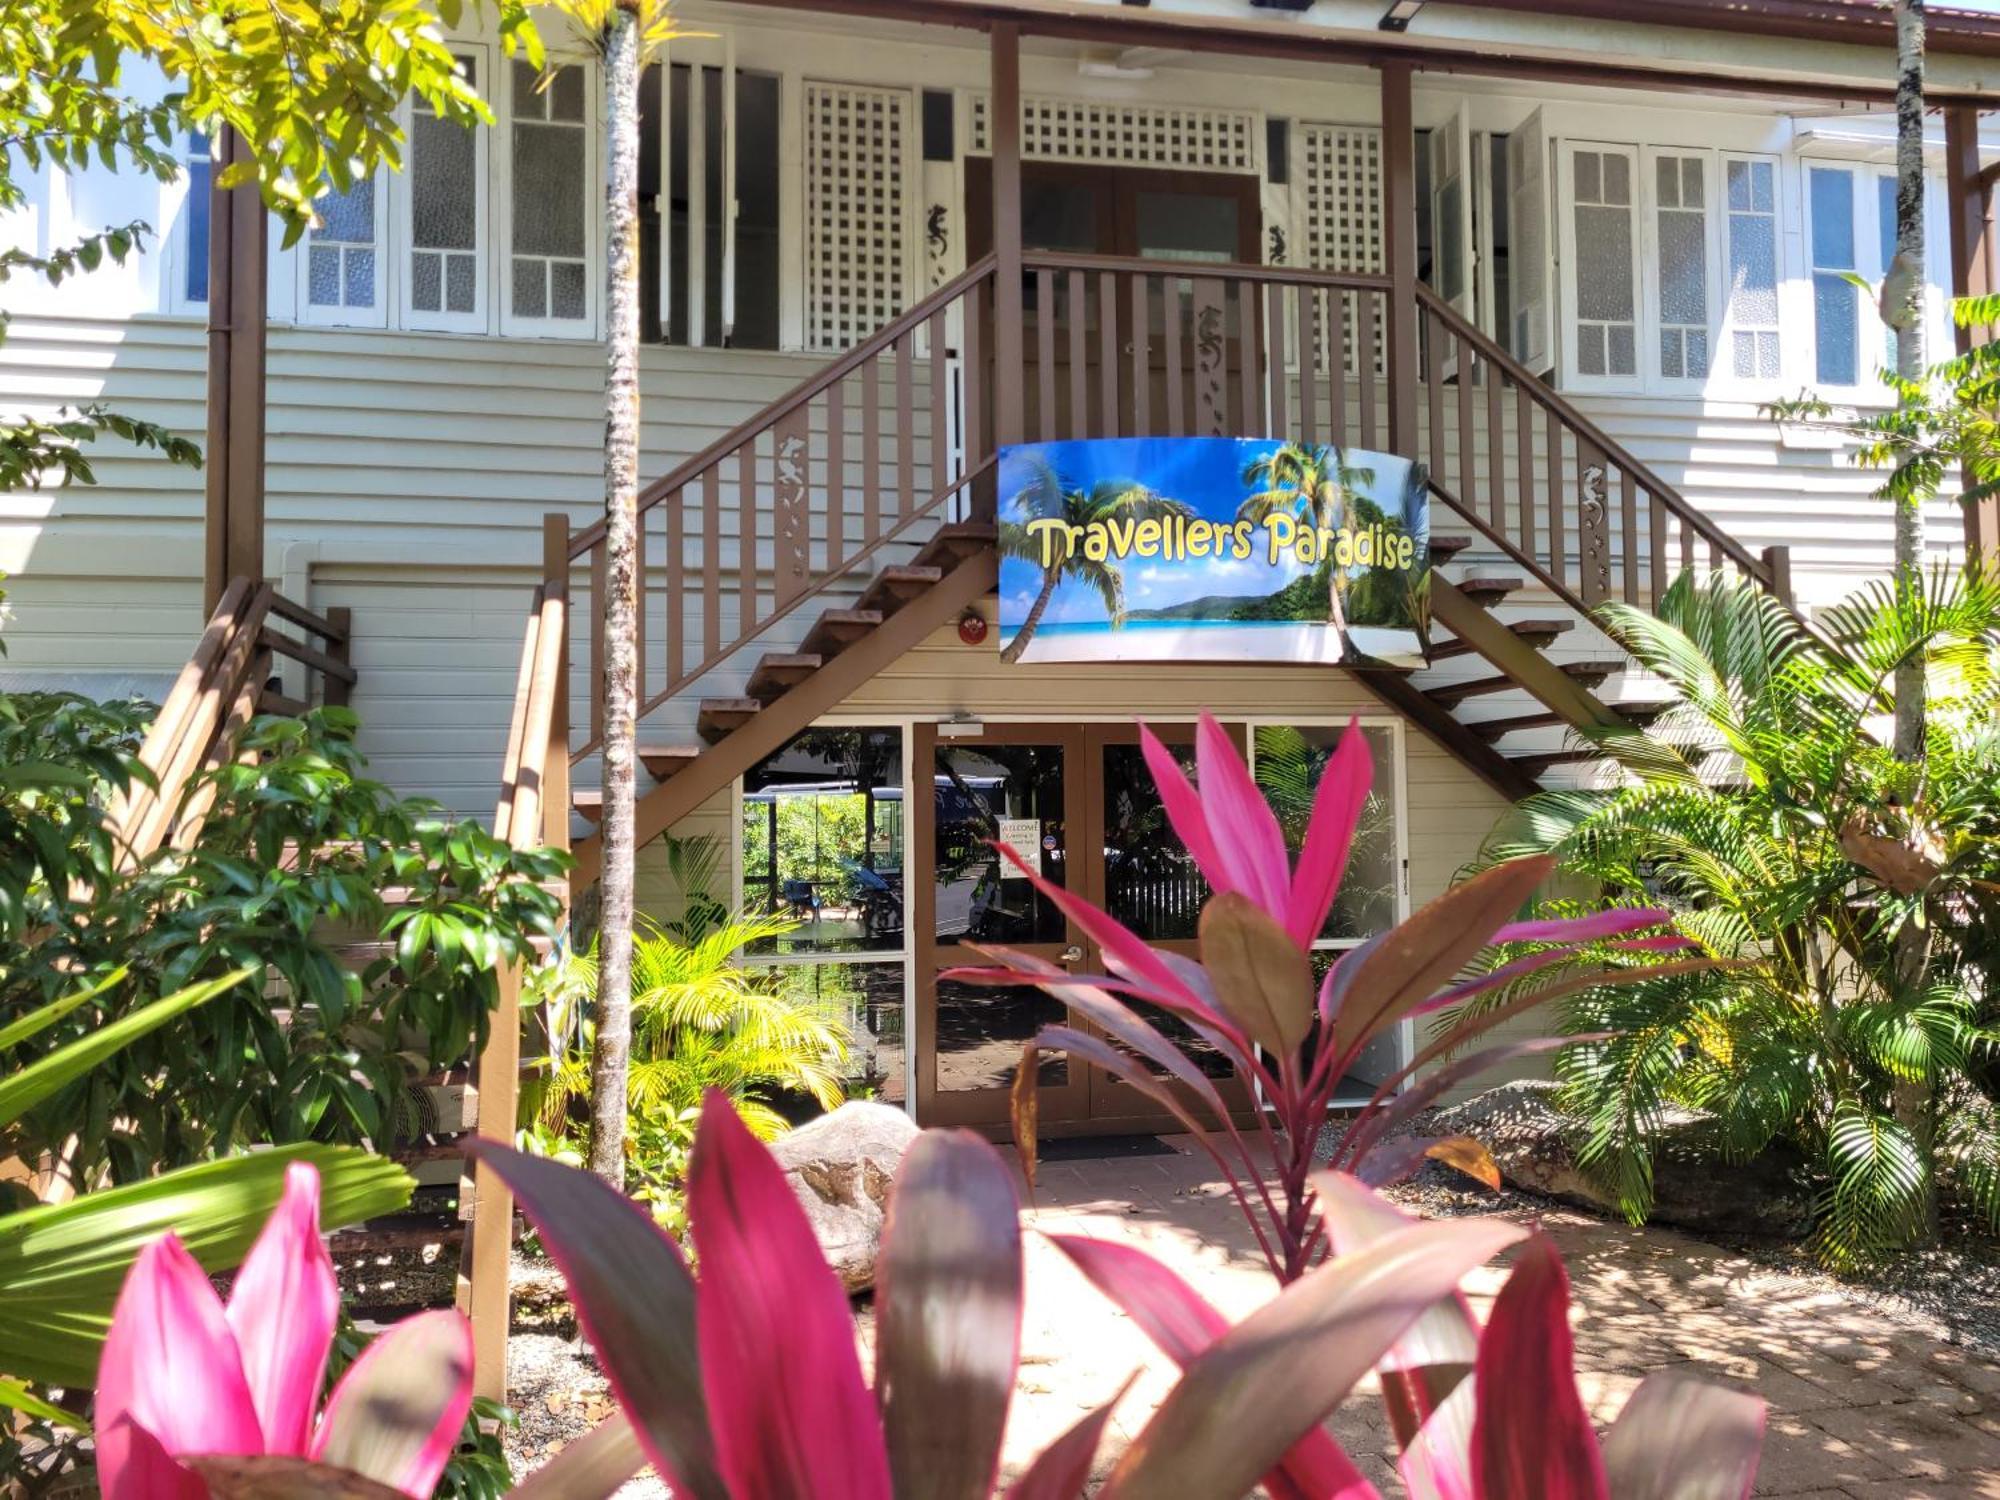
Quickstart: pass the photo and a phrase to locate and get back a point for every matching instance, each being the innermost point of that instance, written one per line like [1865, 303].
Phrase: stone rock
[1695, 1188]
[842, 1167]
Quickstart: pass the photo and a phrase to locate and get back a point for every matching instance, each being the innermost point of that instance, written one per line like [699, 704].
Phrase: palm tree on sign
[1047, 497]
[1313, 484]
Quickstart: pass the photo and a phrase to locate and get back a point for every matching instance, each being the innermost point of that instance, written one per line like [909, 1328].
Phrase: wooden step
[837, 629]
[1588, 673]
[892, 588]
[778, 672]
[1639, 715]
[589, 804]
[1487, 592]
[1536, 633]
[664, 762]
[718, 718]
[956, 541]
[1445, 548]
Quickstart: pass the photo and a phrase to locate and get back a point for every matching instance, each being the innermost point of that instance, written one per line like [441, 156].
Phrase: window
[1830, 204]
[1603, 286]
[445, 209]
[339, 280]
[549, 282]
[1750, 300]
[1680, 230]
[194, 269]
[738, 275]
[821, 842]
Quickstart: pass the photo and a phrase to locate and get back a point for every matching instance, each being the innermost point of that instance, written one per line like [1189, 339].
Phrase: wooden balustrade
[887, 442]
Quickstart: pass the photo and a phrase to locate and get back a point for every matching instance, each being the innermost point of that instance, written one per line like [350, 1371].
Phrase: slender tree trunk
[611, 1056]
[1903, 310]
[1906, 316]
[1011, 652]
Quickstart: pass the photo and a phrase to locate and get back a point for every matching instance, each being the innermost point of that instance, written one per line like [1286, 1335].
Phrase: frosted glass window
[1751, 304]
[1606, 303]
[1885, 215]
[199, 168]
[1680, 194]
[445, 188]
[1836, 300]
[340, 250]
[549, 240]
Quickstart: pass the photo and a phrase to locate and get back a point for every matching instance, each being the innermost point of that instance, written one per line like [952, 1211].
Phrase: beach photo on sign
[1212, 549]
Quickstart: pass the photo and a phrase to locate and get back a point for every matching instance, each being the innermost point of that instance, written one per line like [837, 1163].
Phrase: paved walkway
[1861, 1408]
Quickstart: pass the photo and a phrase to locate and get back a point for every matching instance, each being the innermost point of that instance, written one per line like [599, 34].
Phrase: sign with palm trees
[1212, 549]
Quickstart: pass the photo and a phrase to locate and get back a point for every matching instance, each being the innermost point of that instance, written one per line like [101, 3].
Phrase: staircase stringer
[775, 726]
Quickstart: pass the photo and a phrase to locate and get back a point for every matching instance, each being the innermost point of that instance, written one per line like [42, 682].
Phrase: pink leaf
[1683, 1439]
[282, 1309]
[1249, 845]
[1337, 805]
[1061, 1471]
[169, 1367]
[1182, 1324]
[790, 1412]
[1183, 808]
[1612, 922]
[1531, 1438]
[395, 1416]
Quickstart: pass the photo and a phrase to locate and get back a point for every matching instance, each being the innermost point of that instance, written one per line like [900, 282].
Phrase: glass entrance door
[1022, 785]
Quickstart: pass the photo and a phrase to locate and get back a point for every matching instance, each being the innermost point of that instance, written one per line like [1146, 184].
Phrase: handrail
[876, 344]
[1344, 281]
[1539, 392]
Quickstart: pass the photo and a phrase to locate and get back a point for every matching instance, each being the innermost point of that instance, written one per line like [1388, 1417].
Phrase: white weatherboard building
[1560, 251]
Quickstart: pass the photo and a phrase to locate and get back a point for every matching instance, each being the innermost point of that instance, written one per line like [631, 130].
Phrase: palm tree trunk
[1911, 1100]
[611, 1055]
[1011, 652]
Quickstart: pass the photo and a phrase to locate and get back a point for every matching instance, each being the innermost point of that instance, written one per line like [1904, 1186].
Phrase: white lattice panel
[857, 211]
[1137, 135]
[1343, 196]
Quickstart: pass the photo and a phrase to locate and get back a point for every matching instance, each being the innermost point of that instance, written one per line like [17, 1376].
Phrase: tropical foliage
[743, 1383]
[1314, 485]
[1251, 996]
[361, 932]
[1771, 818]
[701, 1021]
[1048, 496]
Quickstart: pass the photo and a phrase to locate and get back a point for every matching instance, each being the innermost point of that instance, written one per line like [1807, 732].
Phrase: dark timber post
[237, 274]
[1969, 227]
[1006, 127]
[1399, 211]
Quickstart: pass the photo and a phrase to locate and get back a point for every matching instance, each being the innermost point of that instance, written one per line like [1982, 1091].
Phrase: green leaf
[40, 1020]
[15, 1396]
[61, 1265]
[22, 1091]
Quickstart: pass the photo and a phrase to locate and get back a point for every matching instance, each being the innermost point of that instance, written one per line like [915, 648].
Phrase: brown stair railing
[870, 450]
[227, 681]
[1115, 347]
[533, 811]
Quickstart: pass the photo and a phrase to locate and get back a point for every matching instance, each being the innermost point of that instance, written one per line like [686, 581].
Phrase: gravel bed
[1950, 1291]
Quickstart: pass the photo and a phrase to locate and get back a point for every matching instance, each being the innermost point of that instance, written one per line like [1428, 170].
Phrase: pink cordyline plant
[1251, 996]
[202, 1400]
[745, 1383]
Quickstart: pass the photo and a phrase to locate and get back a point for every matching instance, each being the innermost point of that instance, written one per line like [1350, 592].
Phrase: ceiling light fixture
[1399, 15]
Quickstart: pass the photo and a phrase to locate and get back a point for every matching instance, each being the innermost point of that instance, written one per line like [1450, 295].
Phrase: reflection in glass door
[1018, 785]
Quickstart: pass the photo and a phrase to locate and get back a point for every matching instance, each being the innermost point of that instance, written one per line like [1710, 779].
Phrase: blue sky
[1205, 473]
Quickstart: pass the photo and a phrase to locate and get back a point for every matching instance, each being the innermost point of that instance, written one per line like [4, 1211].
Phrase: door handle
[1073, 954]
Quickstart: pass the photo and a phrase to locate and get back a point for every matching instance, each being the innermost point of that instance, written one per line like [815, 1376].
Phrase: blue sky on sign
[1204, 473]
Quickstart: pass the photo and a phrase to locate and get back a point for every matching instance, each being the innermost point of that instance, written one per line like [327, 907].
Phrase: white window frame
[386, 237]
[486, 248]
[1652, 321]
[1722, 366]
[588, 327]
[1866, 388]
[178, 201]
[1572, 378]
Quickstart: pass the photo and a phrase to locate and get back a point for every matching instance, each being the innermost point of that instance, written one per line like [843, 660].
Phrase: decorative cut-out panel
[857, 211]
[1139, 135]
[1342, 215]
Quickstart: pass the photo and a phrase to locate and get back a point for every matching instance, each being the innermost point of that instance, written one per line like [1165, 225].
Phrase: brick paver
[1861, 1407]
